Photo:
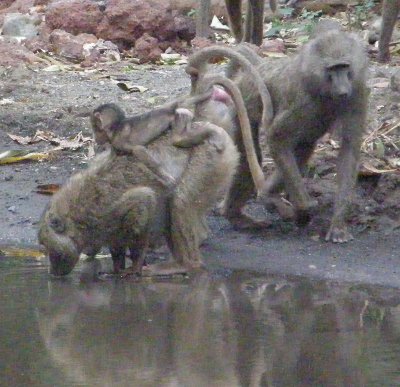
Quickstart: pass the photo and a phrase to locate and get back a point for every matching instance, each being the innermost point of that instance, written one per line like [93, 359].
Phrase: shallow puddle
[216, 329]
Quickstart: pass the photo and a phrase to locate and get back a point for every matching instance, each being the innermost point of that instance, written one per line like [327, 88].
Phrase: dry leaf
[131, 88]
[24, 140]
[371, 169]
[47, 189]
[17, 156]
[21, 253]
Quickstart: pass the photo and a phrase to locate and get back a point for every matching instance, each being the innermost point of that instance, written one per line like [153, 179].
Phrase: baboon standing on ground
[254, 24]
[390, 11]
[322, 86]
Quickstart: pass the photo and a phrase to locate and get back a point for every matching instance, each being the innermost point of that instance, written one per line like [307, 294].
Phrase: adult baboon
[118, 203]
[253, 32]
[390, 11]
[322, 86]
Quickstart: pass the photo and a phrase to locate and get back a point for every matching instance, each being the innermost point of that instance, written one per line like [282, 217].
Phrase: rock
[70, 46]
[5, 4]
[198, 43]
[275, 45]
[125, 22]
[100, 51]
[395, 80]
[12, 54]
[19, 25]
[21, 6]
[147, 49]
[42, 2]
[184, 6]
[185, 27]
[374, 31]
[41, 41]
[12, 209]
[75, 17]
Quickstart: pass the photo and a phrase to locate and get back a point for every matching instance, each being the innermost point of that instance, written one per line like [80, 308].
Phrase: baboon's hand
[338, 234]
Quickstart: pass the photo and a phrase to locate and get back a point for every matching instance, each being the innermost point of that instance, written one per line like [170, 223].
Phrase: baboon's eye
[57, 224]
[330, 78]
[349, 75]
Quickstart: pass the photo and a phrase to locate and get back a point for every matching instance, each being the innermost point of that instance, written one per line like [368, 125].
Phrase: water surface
[217, 329]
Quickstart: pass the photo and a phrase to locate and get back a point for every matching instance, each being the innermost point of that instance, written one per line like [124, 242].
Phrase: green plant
[310, 15]
[192, 13]
[361, 11]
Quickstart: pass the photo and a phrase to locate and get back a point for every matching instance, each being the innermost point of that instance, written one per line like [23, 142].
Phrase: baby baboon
[129, 135]
[254, 19]
[110, 125]
[117, 203]
[390, 11]
[322, 86]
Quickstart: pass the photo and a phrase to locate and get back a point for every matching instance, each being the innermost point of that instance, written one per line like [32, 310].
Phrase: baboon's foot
[164, 269]
[338, 234]
[246, 222]
[131, 271]
[383, 57]
[304, 215]
[283, 207]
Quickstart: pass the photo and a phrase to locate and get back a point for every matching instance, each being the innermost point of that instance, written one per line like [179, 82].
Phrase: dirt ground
[32, 99]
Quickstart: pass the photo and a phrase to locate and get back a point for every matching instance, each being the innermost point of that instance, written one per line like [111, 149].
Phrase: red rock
[5, 4]
[75, 17]
[275, 45]
[199, 43]
[21, 6]
[184, 6]
[126, 21]
[185, 27]
[13, 54]
[41, 2]
[68, 45]
[147, 49]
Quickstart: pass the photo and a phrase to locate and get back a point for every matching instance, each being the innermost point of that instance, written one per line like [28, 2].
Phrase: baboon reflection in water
[217, 331]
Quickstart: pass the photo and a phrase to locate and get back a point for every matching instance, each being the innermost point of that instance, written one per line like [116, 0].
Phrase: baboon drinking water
[322, 87]
[119, 204]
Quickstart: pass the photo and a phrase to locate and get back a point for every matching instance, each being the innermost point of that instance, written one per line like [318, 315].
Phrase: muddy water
[217, 329]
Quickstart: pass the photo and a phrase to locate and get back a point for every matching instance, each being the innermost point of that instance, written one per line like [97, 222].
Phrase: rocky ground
[52, 98]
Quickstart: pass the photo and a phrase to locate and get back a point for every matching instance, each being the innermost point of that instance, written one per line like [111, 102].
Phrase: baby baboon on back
[118, 204]
[321, 87]
[129, 135]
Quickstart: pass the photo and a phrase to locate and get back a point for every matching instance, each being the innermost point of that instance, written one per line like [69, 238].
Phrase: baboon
[390, 11]
[117, 203]
[254, 19]
[110, 125]
[322, 87]
[129, 135]
[124, 134]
